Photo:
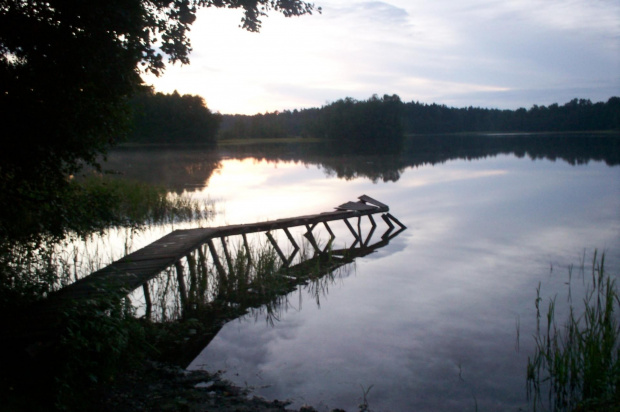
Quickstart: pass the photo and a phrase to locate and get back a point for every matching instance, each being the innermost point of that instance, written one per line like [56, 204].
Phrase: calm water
[430, 321]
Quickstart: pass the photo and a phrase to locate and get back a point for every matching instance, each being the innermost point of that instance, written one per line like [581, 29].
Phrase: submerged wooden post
[227, 255]
[147, 301]
[308, 235]
[328, 246]
[295, 247]
[203, 274]
[387, 220]
[181, 281]
[277, 249]
[247, 248]
[392, 218]
[353, 232]
[216, 260]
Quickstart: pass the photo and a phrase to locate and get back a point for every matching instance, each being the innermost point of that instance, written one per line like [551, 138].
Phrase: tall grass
[30, 269]
[577, 364]
[133, 203]
[239, 279]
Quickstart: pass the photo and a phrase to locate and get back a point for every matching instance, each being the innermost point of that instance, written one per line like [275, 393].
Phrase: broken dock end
[365, 203]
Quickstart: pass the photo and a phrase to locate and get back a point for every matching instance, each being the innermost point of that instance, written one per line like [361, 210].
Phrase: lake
[442, 317]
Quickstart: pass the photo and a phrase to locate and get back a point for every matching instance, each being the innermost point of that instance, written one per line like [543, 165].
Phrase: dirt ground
[162, 387]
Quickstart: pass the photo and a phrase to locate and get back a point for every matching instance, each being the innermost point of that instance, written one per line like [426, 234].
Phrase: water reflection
[231, 276]
[181, 169]
[429, 319]
[178, 169]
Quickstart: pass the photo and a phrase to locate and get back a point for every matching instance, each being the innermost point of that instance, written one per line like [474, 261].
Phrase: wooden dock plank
[368, 199]
[39, 322]
[357, 206]
[142, 265]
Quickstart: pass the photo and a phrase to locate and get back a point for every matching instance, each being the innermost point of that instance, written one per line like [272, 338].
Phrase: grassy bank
[30, 267]
[576, 365]
[96, 341]
[123, 202]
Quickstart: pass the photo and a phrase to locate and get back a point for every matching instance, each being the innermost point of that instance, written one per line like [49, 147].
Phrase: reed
[124, 202]
[578, 363]
[30, 269]
[234, 276]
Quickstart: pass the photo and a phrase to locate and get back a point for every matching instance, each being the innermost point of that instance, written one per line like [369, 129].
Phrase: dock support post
[386, 218]
[359, 228]
[227, 255]
[147, 301]
[308, 235]
[203, 274]
[331, 238]
[295, 246]
[392, 218]
[216, 260]
[355, 235]
[182, 288]
[277, 248]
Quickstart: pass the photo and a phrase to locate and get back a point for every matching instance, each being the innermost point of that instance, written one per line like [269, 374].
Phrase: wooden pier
[136, 269]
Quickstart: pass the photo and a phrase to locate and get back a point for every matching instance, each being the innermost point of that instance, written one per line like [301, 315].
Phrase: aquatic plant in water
[107, 210]
[578, 363]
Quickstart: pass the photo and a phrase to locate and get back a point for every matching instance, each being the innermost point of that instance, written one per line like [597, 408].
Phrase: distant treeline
[576, 115]
[376, 124]
[358, 121]
[172, 118]
[368, 125]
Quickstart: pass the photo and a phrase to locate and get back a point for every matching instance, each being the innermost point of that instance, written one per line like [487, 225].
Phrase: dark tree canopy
[379, 121]
[67, 70]
[370, 126]
[575, 115]
[172, 119]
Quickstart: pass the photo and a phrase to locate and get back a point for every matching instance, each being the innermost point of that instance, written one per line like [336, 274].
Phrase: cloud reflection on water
[430, 320]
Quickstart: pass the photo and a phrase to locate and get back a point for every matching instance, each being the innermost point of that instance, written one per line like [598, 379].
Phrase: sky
[482, 53]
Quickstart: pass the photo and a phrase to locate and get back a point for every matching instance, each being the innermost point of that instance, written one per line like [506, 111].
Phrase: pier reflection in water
[429, 320]
[227, 277]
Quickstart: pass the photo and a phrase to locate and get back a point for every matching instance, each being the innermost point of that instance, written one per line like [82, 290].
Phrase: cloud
[374, 11]
[512, 53]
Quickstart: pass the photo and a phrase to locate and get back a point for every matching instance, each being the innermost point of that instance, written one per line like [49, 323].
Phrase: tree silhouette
[172, 119]
[67, 70]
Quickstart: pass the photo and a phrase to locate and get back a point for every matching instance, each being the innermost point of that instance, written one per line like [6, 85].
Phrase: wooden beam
[357, 206]
[392, 218]
[277, 248]
[368, 199]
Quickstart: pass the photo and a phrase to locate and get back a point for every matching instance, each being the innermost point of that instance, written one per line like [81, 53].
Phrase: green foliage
[579, 363]
[97, 340]
[124, 202]
[29, 269]
[27, 273]
[251, 277]
[278, 125]
[172, 119]
[67, 71]
[93, 203]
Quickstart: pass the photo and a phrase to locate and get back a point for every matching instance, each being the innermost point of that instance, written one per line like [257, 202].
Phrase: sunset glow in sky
[486, 53]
